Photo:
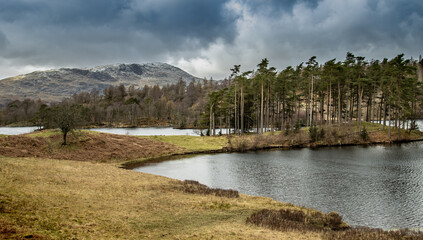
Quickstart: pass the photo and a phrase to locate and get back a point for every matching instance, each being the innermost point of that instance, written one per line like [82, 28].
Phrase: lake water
[16, 130]
[376, 186]
[149, 131]
[122, 131]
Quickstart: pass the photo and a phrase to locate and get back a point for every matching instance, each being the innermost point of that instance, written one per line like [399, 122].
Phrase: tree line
[263, 99]
[180, 105]
[333, 93]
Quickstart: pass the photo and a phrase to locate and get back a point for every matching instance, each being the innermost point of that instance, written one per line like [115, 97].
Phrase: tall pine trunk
[242, 111]
[261, 109]
[339, 104]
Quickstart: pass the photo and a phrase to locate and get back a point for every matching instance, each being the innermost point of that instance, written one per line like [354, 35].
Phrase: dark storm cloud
[202, 20]
[205, 37]
[297, 30]
[3, 40]
[278, 6]
[92, 30]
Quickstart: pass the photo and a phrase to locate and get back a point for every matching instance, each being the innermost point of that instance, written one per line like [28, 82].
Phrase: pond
[376, 186]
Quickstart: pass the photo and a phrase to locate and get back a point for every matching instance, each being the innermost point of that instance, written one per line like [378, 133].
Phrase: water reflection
[376, 186]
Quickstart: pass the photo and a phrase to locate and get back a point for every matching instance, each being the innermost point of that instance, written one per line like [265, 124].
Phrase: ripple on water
[376, 186]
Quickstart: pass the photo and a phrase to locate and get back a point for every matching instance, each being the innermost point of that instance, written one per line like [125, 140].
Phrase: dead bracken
[194, 187]
[330, 225]
[84, 146]
[288, 220]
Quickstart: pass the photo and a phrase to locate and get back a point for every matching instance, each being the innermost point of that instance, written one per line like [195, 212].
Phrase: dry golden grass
[55, 199]
[194, 143]
[84, 146]
[44, 198]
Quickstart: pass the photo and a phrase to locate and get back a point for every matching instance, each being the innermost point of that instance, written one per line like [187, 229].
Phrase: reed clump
[329, 225]
[290, 220]
[365, 233]
[194, 187]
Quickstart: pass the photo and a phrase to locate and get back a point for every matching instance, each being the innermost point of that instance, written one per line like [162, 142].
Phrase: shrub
[413, 125]
[363, 134]
[286, 220]
[297, 126]
[322, 133]
[330, 225]
[287, 129]
[316, 133]
[365, 233]
[194, 187]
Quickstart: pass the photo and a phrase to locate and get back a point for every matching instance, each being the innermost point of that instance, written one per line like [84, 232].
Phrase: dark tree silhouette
[66, 118]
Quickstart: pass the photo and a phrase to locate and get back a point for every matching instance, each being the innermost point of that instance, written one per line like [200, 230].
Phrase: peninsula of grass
[194, 143]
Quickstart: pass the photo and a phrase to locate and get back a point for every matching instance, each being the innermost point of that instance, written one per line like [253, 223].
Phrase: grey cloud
[78, 32]
[62, 13]
[202, 20]
[376, 30]
[275, 7]
[94, 32]
[3, 40]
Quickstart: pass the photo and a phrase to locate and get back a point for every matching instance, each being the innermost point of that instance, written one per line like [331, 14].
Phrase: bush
[288, 220]
[316, 133]
[287, 129]
[365, 233]
[413, 125]
[297, 126]
[194, 187]
[330, 225]
[363, 134]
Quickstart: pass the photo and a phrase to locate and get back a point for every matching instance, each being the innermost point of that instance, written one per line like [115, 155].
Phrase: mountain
[54, 85]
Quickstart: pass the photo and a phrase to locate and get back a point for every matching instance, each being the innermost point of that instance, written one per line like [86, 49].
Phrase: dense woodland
[180, 105]
[333, 93]
[312, 94]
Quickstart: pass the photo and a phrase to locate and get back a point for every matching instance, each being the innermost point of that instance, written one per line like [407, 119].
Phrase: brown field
[84, 146]
[89, 197]
[54, 199]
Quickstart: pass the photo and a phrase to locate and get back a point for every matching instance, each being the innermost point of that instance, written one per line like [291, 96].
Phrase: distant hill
[54, 85]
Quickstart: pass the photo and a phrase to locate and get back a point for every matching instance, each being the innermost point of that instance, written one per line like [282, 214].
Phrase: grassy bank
[89, 197]
[53, 199]
[191, 144]
[346, 134]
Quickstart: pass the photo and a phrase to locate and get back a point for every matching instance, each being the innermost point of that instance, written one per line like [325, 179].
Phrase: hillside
[54, 85]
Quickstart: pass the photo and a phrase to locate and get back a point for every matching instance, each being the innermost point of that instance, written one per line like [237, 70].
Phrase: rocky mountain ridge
[54, 85]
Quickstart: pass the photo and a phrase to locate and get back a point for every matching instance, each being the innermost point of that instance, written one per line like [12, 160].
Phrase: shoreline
[132, 164]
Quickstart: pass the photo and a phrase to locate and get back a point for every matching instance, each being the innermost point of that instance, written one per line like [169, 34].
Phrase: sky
[203, 37]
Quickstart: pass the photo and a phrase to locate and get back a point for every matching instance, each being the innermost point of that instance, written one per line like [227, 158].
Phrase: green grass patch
[194, 143]
[369, 126]
[270, 133]
[45, 133]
